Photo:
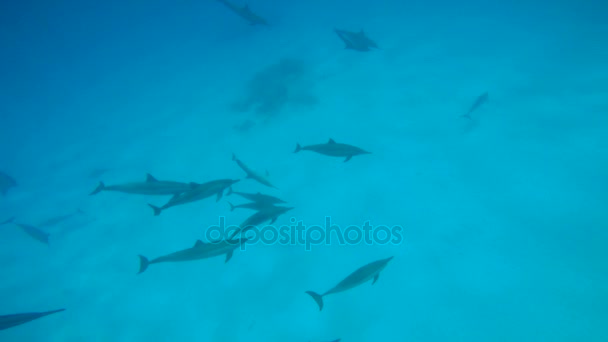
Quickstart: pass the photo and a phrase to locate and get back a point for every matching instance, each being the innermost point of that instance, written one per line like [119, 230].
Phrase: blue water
[503, 217]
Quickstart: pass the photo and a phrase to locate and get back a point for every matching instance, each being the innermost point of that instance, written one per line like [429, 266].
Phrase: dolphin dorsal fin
[198, 243]
[331, 141]
[150, 178]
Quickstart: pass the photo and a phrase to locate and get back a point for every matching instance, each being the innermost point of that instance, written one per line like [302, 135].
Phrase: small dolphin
[197, 192]
[481, 99]
[245, 13]
[257, 197]
[358, 277]
[258, 206]
[6, 182]
[333, 149]
[9, 220]
[34, 232]
[270, 213]
[252, 174]
[151, 186]
[9, 321]
[58, 219]
[200, 250]
[356, 40]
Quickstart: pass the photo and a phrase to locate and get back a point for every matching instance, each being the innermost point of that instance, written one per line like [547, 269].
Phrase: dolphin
[151, 186]
[9, 321]
[258, 206]
[270, 213]
[197, 192]
[58, 219]
[333, 149]
[9, 220]
[6, 182]
[200, 250]
[33, 232]
[257, 197]
[358, 277]
[252, 174]
[481, 99]
[245, 13]
[356, 40]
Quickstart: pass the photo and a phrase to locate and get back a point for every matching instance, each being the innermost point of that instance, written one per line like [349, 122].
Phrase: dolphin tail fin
[156, 209]
[317, 297]
[143, 264]
[231, 206]
[99, 188]
[298, 148]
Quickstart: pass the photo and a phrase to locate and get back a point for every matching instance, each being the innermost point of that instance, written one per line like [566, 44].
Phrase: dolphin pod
[9, 321]
[358, 277]
[333, 149]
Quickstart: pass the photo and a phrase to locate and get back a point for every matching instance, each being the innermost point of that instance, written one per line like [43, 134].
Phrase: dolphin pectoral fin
[97, 190]
[274, 219]
[317, 297]
[156, 209]
[347, 158]
[229, 192]
[228, 256]
[375, 278]
[219, 196]
[143, 264]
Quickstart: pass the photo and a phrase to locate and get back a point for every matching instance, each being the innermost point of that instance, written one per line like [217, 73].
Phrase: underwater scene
[314, 171]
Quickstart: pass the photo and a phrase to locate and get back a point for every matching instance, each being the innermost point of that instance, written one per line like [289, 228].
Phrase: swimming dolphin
[481, 99]
[200, 250]
[333, 149]
[6, 182]
[270, 213]
[34, 232]
[58, 219]
[257, 197]
[197, 192]
[151, 186]
[9, 321]
[245, 13]
[9, 220]
[356, 40]
[358, 277]
[252, 174]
